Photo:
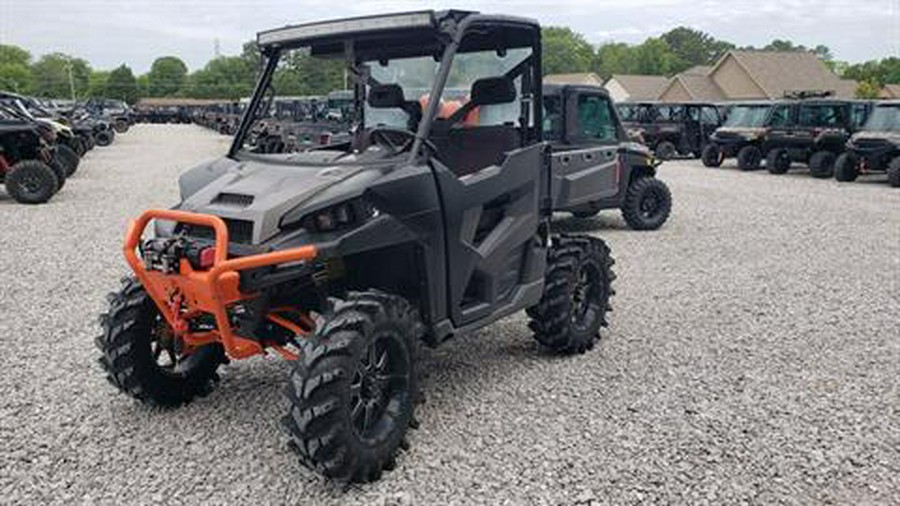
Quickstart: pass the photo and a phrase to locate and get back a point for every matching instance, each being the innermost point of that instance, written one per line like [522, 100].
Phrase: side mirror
[493, 91]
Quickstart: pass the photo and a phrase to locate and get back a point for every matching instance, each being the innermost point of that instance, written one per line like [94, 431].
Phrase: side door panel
[494, 261]
[584, 175]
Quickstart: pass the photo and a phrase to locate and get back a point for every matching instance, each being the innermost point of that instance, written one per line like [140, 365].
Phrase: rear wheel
[846, 168]
[103, 138]
[31, 182]
[121, 126]
[712, 156]
[352, 393]
[665, 150]
[893, 172]
[648, 203]
[68, 158]
[577, 289]
[821, 164]
[778, 161]
[749, 158]
[142, 357]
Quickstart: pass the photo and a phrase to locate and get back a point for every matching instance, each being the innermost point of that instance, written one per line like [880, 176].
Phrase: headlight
[340, 216]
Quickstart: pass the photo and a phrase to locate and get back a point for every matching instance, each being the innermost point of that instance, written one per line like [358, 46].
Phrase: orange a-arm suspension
[190, 293]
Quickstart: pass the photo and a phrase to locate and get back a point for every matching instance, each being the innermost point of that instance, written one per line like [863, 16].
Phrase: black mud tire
[68, 158]
[749, 158]
[821, 164]
[778, 161]
[78, 146]
[335, 380]
[893, 172]
[128, 359]
[577, 290]
[647, 205]
[60, 169]
[846, 168]
[31, 182]
[103, 138]
[665, 150]
[712, 156]
[121, 126]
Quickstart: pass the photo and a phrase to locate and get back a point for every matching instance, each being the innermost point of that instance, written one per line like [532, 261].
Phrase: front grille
[239, 231]
[233, 199]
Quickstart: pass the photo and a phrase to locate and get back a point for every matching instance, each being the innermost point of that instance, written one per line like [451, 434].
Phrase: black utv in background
[812, 132]
[595, 167]
[26, 161]
[874, 149]
[742, 135]
[671, 129]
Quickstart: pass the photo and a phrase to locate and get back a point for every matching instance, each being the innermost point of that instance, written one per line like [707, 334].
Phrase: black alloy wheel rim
[649, 205]
[379, 388]
[586, 296]
[30, 185]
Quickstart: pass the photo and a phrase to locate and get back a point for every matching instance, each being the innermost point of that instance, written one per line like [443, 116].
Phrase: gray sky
[110, 32]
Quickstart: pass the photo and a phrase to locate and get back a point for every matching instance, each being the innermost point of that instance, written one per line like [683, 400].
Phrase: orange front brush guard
[200, 292]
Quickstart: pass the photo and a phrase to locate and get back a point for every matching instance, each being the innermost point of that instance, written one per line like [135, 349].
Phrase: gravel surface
[753, 357]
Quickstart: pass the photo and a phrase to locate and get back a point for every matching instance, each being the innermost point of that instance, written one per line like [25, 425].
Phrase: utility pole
[71, 79]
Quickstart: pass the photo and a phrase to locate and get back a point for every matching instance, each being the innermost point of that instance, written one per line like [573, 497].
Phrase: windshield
[747, 116]
[885, 118]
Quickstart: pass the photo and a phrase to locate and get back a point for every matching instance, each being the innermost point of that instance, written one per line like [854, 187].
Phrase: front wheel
[352, 393]
[141, 355]
[712, 156]
[103, 138]
[31, 182]
[68, 158]
[821, 164]
[893, 172]
[749, 158]
[577, 289]
[778, 161]
[846, 168]
[648, 204]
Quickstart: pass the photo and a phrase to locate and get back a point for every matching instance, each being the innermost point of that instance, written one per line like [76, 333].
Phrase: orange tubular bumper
[191, 292]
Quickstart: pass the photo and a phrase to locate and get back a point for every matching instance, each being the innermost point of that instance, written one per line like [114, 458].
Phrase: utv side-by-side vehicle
[426, 223]
[813, 132]
[26, 161]
[742, 135]
[874, 149]
[594, 166]
[671, 129]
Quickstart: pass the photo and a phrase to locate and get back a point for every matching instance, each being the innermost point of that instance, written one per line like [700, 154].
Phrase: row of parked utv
[42, 142]
[833, 137]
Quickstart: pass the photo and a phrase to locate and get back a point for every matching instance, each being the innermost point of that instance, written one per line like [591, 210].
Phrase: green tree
[55, 75]
[868, 89]
[565, 51]
[167, 76]
[654, 57]
[228, 77]
[97, 83]
[693, 47]
[615, 58]
[122, 85]
[15, 71]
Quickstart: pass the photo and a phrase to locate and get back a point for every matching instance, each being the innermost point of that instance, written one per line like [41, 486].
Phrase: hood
[888, 136]
[263, 192]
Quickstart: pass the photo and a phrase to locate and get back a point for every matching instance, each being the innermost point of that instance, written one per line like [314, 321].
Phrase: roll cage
[440, 35]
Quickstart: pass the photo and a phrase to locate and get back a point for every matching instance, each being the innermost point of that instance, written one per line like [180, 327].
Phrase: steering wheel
[383, 136]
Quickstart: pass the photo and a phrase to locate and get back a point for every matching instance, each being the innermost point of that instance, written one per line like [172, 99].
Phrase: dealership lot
[752, 357]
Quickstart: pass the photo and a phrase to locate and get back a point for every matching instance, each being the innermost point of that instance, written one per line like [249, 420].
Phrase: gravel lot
[753, 357]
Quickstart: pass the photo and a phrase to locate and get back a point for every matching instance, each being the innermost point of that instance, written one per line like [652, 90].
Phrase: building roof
[890, 91]
[641, 87]
[589, 78]
[698, 86]
[778, 72]
[699, 70]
